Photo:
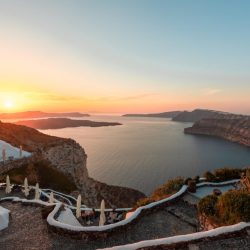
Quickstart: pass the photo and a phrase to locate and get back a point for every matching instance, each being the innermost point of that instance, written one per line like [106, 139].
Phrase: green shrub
[166, 190]
[233, 207]
[172, 186]
[197, 178]
[207, 205]
[143, 202]
[230, 208]
[187, 180]
[209, 176]
[248, 174]
[192, 186]
[225, 174]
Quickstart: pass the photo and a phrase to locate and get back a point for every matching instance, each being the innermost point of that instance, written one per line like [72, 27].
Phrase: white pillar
[78, 206]
[20, 151]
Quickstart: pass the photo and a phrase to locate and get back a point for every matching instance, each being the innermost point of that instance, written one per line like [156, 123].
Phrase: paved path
[27, 230]
[234, 242]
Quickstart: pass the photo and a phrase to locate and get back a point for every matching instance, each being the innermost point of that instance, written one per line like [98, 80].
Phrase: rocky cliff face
[68, 157]
[231, 127]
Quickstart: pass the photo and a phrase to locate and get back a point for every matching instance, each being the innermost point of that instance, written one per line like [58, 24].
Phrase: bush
[187, 180]
[166, 190]
[192, 186]
[233, 207]
[225, 174]
[172, 186]
[197, 178]
[209, 176]
[143, 202]
[207, 205]
[248, 173]
[227, 209]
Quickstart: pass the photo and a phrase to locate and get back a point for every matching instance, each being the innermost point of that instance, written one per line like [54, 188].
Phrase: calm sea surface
[144, 153]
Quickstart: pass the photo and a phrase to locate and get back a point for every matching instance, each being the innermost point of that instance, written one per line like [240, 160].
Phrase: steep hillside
[230, 127]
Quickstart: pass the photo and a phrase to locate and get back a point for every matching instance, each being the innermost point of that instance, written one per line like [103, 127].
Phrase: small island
[57, 123]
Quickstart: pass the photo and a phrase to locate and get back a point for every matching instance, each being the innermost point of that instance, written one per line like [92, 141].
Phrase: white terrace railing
[53, 222]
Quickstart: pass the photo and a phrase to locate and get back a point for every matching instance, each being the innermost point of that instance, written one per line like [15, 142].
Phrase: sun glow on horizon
[8, 104]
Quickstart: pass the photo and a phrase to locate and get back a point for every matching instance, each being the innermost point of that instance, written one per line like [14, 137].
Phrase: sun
[8, 104]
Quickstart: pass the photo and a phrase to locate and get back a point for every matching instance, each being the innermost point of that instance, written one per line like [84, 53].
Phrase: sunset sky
[124, 56]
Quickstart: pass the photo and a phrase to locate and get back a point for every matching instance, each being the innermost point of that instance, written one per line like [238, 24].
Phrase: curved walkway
[27, 230]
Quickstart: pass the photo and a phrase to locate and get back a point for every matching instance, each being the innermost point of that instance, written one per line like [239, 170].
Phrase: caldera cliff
[68, 157]
[235, 128]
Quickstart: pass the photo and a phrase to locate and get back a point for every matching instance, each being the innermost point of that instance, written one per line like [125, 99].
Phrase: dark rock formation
[56, 123]
[170, 114]
[234, 128]
[69, 158]
[38, 114]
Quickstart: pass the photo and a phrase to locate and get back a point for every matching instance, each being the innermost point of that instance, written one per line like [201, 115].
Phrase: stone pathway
[185, 212]
[241, 243]
[27, 230]
[238, 242]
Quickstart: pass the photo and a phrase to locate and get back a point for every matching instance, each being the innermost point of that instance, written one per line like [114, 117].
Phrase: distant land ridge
[39, 114]
[56, 123]
[197, 114]
[185, 116]
[170, 114]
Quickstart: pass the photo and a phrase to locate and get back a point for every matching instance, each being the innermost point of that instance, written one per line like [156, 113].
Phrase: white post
[20, 151]
[51, 197]
[26, 187]
[102, 215]
[8, 187]
[78, 206]
[37, 192]
[4, 155]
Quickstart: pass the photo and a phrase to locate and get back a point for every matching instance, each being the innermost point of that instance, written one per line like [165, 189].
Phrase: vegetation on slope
[44, 174]
[164, 191]
[227, 209]
[231, 207]
[174, 185]
[224, 174]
